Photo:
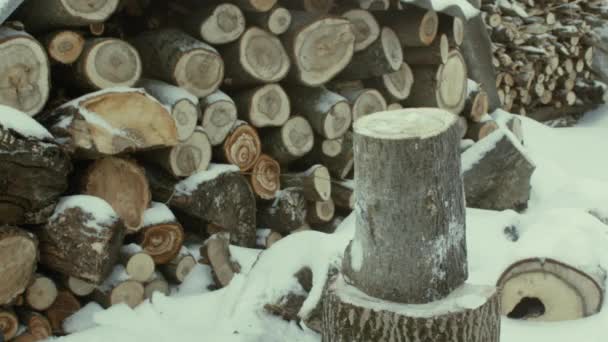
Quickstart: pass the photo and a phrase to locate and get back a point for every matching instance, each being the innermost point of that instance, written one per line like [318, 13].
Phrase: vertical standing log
[39, 15]
[218, 116]
[19, 253]
[218, 24]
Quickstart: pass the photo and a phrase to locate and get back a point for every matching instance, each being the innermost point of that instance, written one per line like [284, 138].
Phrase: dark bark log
[286, 214]
[40, 15]
[19, 255]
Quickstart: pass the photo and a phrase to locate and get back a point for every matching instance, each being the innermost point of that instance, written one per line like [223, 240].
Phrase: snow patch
[158, 213]
[83, 319]
[23, 124]
[102, 214]
[215, 170]
[7, 7]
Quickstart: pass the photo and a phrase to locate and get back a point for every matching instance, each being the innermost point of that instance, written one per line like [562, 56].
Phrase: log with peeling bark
[286, 214]
[218, 116]
[264, 106]
[40, 15]
[216, 251]
[37, 324]
[9, 323]
[394, 86]
[267, 237]
[162, 236]
[21, 249]
[415, 26]
[266, 177]
[258, 57]
[63, 307]
[64, 46]
[179, 267]
[215, 24]
[289, 142]
[82, 239]
[219, 195]
[319, 48]
[122, 183]
[365, 26]
[177, 58]
[315, 183]
[118, 288]
[242, 147]
[41, 293]
[139, 266]
[95, 125]
[276, 21]
[26, 73]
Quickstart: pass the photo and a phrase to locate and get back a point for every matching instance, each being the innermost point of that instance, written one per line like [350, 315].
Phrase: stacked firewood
[543, 53]
[171, 121]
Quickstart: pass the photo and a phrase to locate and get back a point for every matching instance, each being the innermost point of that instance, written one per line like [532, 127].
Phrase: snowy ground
[571, 179]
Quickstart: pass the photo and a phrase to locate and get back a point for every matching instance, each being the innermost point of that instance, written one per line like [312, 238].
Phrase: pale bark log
[289, 142]
[40, 15]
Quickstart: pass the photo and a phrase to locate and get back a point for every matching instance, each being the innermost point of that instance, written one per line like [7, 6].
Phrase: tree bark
[40, 15]
[19, 255]
[286, 214]
[336, 155]
[218, 116]
[215, 24]
[265, 106]
[394, 86]
[434, 54]
[266, 177]
[289, 142]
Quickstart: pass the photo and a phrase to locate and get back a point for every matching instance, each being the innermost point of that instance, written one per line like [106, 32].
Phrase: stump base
[470, 313]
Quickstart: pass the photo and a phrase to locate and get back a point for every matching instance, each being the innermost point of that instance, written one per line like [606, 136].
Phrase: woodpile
[543, 52]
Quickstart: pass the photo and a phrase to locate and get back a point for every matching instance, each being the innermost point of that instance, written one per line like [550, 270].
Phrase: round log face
[93, 10]
[199, 71]
[41, 294]
[162, 242]
[20, 253]
[8, 324]
[185, 114]
[365, 27]
[243, 147]
[297, 135]
[399, 83]
[369, 102]
[263, 56]
[452, 83]
[227, 25]
[429, 27]
[279, 20]
[218, 119]
[129, 292]
[191, 156]
[262, 5]
[270, 106]
[265, 177]
[392, 48]
[338, 121]
[79, 287]
[184, 267]
[66, 46]
[112, 63]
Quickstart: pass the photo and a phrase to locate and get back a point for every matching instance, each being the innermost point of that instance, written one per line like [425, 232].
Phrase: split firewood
[63, 47]
[21, 248]
[219, 195]
[118, 288]
[266, 177]
[314, 182]
[257, 57]
[40, 15]
[309, 34]
[139, 266]
[157, 283]
[9, 323]
[121, 183]
[343, 195]
[179, 267]
[82, 239]
[286, 214]
[161, 236]
[63, 307]
[175, 57]
[365, 26]
[289, 142]
[217, 252]
[267, 237]
[415, 27]
[364, 102]
[329, 113]
[317, 7]
[394, 86]
[184, 106]
[255, 5]
[479, 130]
[41, 293]
[476, 105]
[26, 71]
[78, 287]
[543, 289]
[37, 325]
[320, 212]
[187, 157]
[265, 106]
[242, 147]
[218, 116]
[95, 124]
[336, 155]
[434, 54]
[215, 24]
[33, 170]
[276, 21]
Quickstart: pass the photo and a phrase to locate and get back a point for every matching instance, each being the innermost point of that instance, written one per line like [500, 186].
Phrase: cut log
[9, 324]
[275, 21]
[216, 24]
[547, 290]
[314, 182]
[434, 225]
[63, 47]
[497, 178]
[415, 27]
[336, 155]
[476, 105]
[265, 106]
[216, 251]
[179, 267]
[139, 266]
[121, 183]
[82, 239]
[218, 116]
[40, 15]
[19, 250]
[317, 7]
[444, 87]
[79, 287]
[175, 57]
[321, 212]
[95, 125]
[106, 63]
[343, 195]
[255, 5]
[290, 142]
[365, 27]
[219, 195]
[364, 102]
[319, 48]
[266, 177]
[329, 113]
[453, 28]
[37, 325]
[162, 236]
[267, 237]
[434, 54]
[184, 106]
[479, 130]
[383, 56]
[157, 284]
[351, 315]
[257, 57]
[41, 293]
[187, 157]
[25, 74]
[33, 170]
[117, 288]
[242, 147]
[64, 306]
[286, 214]
[374, 5]
[395, 86]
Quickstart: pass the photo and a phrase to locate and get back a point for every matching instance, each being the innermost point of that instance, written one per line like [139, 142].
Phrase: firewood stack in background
[544, 55]
[179, 125]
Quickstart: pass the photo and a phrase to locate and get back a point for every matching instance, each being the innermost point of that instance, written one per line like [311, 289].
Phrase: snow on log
[179, 267]
[275, 21]
[218, 116]
[265, 106]
[266, 177]
[547, 290]
[289, 142]
[497, 173]
[266, 238]
[161, 236]
[430, 232]
[64, 306]
[19, 255]
[219, 195]
[139, 266]
[215, 24]
[242, 147]
[25, 74]
[82, 239]
[40, 15]
[314, 182]
[286, 213]
[95, 125]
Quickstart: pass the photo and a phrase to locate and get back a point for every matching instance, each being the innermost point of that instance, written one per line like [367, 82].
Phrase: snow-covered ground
[571, 179]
